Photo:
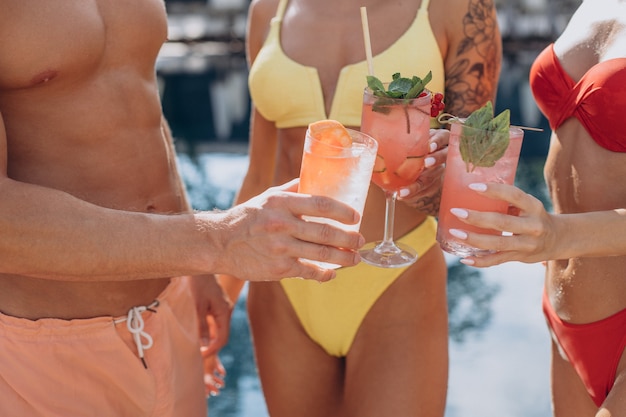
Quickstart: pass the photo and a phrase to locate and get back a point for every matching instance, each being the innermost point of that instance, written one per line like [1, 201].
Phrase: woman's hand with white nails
[532, 231]
[425, 193]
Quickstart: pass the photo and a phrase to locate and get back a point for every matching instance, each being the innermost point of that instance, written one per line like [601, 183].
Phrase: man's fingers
[325, 207]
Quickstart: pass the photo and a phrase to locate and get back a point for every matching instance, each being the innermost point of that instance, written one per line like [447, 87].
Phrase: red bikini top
[598, 100]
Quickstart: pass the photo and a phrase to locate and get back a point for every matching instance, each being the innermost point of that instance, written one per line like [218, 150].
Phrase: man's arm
[51, 234]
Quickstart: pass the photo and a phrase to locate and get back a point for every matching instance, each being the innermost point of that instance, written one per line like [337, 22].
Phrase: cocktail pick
[447, 118]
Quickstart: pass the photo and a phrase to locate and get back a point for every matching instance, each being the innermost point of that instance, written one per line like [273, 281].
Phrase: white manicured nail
[460, 213]
[469, 262]
[478, 186]
[459, 234]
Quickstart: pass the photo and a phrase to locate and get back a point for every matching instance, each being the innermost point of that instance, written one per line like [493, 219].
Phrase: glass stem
[390, 211]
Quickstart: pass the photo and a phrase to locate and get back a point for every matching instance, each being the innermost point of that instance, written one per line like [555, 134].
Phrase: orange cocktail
[339, 167]
[456, 194]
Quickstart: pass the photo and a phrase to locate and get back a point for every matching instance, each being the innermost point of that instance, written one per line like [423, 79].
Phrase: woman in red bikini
[579, 83]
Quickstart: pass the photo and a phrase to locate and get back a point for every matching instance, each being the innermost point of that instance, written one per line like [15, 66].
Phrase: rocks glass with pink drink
[459, 174]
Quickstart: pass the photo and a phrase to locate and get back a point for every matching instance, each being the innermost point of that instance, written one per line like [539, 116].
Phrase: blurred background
[499, 346]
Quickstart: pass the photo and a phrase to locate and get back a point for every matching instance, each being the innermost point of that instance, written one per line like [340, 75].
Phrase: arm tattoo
[469, 85]
[429, 204]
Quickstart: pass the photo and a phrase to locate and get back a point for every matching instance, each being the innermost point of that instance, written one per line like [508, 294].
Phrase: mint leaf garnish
[399, 88]
[485, 144]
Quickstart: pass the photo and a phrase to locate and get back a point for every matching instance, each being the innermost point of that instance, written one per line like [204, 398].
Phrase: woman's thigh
[398, 363]
[569, 395]
[615, 403]
[298, 377]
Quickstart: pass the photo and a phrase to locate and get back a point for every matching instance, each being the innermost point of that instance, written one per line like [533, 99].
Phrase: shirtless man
[95, 223]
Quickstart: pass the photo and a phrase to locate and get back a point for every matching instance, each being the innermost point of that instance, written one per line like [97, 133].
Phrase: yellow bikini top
[290, 94]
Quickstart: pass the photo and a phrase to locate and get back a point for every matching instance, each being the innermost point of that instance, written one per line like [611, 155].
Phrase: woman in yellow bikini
[373, 341]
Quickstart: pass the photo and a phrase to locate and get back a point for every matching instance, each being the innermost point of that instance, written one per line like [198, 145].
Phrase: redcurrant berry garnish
[436, 105]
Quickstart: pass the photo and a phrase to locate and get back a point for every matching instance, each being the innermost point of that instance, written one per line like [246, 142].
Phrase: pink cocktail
[456, 193]
[401, 127]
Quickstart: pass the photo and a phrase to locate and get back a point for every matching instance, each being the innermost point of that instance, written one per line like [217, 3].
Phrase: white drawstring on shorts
[135, 324]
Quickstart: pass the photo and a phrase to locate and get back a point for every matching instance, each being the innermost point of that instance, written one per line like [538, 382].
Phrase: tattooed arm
[469, 39]
[472, 48]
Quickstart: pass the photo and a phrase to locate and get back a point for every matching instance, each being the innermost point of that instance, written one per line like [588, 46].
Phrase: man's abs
[34, 298]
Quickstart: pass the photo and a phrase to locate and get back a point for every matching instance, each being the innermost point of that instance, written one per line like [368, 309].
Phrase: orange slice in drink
[379, 165]
[331, 135]
[411, 168]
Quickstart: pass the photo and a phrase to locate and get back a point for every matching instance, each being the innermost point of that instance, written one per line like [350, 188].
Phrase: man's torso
[80, 106]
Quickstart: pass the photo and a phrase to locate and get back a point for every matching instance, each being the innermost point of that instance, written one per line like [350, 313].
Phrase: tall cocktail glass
[341, 173]
[401, 128]
[456, 193]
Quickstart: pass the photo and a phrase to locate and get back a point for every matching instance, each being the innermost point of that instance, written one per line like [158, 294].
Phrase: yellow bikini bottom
[332, 312]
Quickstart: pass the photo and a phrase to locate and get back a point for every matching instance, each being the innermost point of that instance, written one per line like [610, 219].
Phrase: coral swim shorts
[146, 364]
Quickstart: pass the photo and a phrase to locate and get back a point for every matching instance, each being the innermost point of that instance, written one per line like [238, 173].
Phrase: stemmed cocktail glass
[401, 128]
